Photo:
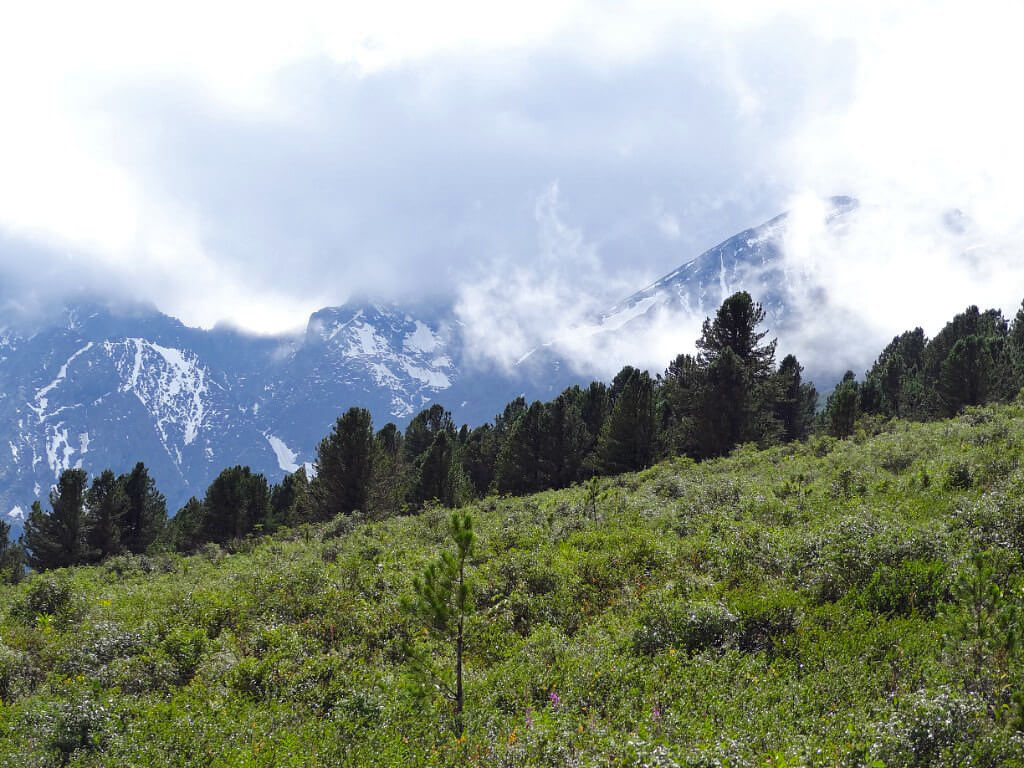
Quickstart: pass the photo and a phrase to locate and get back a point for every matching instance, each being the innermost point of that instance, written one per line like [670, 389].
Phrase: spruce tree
[59, 538]
[344, 465]
[146, 512]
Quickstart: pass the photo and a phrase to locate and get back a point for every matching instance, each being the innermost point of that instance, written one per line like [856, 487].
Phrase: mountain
[106, 387]
[751, 260]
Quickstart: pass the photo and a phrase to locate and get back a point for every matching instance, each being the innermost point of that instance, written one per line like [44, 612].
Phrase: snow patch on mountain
[170, 383]
[41, 399]
[285, 456]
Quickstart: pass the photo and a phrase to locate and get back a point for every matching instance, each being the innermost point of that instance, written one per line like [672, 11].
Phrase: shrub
[693, 628]
[49, 596]
[913, 587]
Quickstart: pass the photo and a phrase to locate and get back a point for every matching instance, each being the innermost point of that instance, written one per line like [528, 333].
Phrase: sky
[529, 164]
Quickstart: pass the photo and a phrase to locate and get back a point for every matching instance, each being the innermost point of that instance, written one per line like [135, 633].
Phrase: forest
[702, 406]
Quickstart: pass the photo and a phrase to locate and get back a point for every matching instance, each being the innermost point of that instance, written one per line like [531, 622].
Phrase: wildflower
[556, 701]
[655, 712]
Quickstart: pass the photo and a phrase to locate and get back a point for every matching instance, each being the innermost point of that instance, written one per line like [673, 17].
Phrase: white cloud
[252, 162]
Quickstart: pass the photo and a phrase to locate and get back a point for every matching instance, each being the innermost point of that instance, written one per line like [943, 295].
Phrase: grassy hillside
[813, 604]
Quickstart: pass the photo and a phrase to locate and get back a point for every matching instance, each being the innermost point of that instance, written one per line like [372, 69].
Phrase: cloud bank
[533, 167]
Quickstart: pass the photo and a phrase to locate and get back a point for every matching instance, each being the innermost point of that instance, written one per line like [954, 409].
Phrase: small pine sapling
[442, 602]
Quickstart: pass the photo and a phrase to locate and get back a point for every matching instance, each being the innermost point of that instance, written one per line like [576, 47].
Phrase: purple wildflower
[556, 701]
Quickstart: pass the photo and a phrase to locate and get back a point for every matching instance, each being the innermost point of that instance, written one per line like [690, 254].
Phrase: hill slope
[796, 606]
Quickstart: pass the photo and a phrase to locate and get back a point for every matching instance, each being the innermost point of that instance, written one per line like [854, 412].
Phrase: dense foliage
[819, 603]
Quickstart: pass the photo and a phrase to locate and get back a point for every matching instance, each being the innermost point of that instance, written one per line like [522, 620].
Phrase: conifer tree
[12, 556]
[236, 502]
[291, 500]
[519, 463]
[679, 399]
[842, 409]
[185, 530]
[627, 437]
[564, 443]
[58, 539]
[727, 405]
[146, 510]
[106, 510]
[389, 482]
[344, 465]
[795, 401]
[735, 327]
[442, 603]
[439, 474]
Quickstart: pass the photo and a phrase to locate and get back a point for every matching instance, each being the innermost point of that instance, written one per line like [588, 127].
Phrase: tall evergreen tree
[735, 327]
[146, 512]
[12, 556]
[627, 437]
[344, 465]
[519, 465]
[236, 502]
[679, 399]
[185, 530]
[424, 428]
[291, 500]
[59, 538]
[842, 409]
[439, 474]
[106, 510]
[727, 406]
[390, 477]
[795, 401]
[565, 440]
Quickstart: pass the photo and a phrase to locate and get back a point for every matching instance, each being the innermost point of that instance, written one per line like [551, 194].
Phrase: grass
[803, 605]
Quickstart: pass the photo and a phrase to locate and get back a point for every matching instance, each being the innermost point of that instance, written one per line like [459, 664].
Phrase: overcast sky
[252, 162]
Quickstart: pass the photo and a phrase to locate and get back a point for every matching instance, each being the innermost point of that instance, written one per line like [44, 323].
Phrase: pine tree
[1015, 350]
[439, 474]
[795, 401]
[564, 443]
[627, 437]
[735, 327]
[186, 527]
[344, 465]
[236, 502]
[519, 465]
[291, 500]
[443, 602]
[12, 556]
[679, 399]
[727, 406]
[842, 409]
[59, 538]
[422, 430]
[390, 480]
[146, 512]
[106, 510]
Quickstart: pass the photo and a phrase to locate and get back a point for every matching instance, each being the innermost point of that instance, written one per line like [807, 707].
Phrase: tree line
[702, 406]
[977, 358]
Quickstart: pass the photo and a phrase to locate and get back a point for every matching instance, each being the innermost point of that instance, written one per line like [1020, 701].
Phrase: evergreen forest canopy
[730, 393]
